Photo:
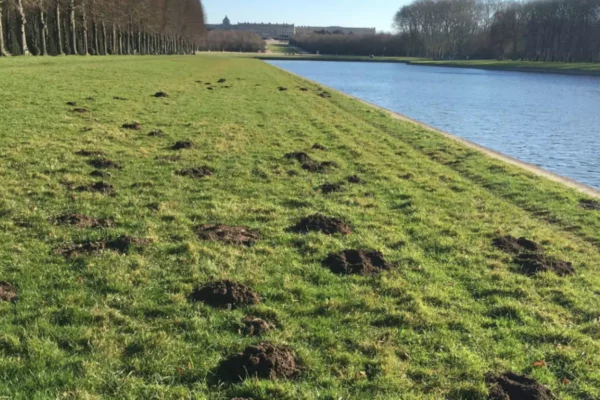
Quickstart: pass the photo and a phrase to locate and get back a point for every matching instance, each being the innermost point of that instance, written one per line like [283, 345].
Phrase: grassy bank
[102, 315]
[592, 69]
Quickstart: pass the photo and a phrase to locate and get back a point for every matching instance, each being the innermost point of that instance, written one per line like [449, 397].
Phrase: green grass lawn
[281, 48]
[121, 325]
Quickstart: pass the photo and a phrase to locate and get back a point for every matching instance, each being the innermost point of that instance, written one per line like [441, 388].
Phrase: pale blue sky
[354, 13]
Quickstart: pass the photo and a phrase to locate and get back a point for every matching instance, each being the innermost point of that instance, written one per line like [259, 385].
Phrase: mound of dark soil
[354, 179]
[534, 263]
[590, 205]
[84, 221]
[510, 386]
[156, 133]
[222, 80]
[89, 153]
[100, 187]
[303, 89]
[282, 89]
[209, 88]
[238, 235]
[183, 144]
[208, 83]
[254, 326]
[134, 126]
[512, 245]
[100, 174]
[332, 187]
[80, 110]
[160, 94]
[8, 292]
[264, 361]
[299, 156]
[103, 163]
[198, 173]
[325, 95]
[322, 223]
[318, 146]
[361, 262]
[122, 244]
[72, 103]
[319, 167]
[225, 294]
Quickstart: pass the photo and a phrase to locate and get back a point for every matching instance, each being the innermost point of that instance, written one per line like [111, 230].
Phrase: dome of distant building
[226, 21]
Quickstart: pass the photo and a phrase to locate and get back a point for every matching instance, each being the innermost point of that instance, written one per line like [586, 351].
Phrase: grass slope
[118, 326]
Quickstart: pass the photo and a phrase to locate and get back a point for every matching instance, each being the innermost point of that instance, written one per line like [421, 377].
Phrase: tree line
[238, 41]
[100, 27]
[540, 30]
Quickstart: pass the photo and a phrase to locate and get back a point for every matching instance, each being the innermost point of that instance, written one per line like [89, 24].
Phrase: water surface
[548, 120]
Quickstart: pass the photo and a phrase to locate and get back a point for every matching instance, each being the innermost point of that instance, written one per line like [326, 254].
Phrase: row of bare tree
[100, 27]
[357, 45]
[237, 41]
[547, 30]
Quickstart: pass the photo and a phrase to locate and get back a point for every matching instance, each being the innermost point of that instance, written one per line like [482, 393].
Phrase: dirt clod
[103, 163]
[282, 89]
[534, 263]
[89, 153]
[225, 294]
[511, 386]
[303, 89]
[318, 146]
[332, 188]
[322, 167]
[354, 179]
[156, 133]
[510, 244]
[80, 110]
[183, 144]
[100, 187]
[8, 292]
[590, 205]
[254, 326]
[198, 173]
[222, 80]
[325, 95]
[322, 223]
[237, 235]
[122, 244]
[160, 94]
[72, 103]
[263, 361]
[298, 156]
[209, 88]
[134, 126]
[361, 262]
[84, 221]
[99, 174]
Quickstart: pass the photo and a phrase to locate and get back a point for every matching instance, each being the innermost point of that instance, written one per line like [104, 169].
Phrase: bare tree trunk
[23, 24]
[105, 42]
[96, 38]
[3, 52]
[59, 40]
[73, 29]
[44, 33]
[86, 50]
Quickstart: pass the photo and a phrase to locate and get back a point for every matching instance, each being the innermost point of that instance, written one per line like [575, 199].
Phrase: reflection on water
[552, 121]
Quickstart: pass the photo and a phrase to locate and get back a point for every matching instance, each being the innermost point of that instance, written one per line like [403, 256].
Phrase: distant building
[341, 30]
[286, 31]
[266, 31]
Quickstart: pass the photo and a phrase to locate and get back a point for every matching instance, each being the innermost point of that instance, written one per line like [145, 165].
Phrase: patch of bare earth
[8, 292]
[103, 163]
[99, 187]
[254, 326]
[123, 244]
[84, 221]
[322, 223]
[328, 188]
[237, 235]
[511, 386]
[198, 173]
[360, 262]
[590, 205]
[263, 361]
[225, 294]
